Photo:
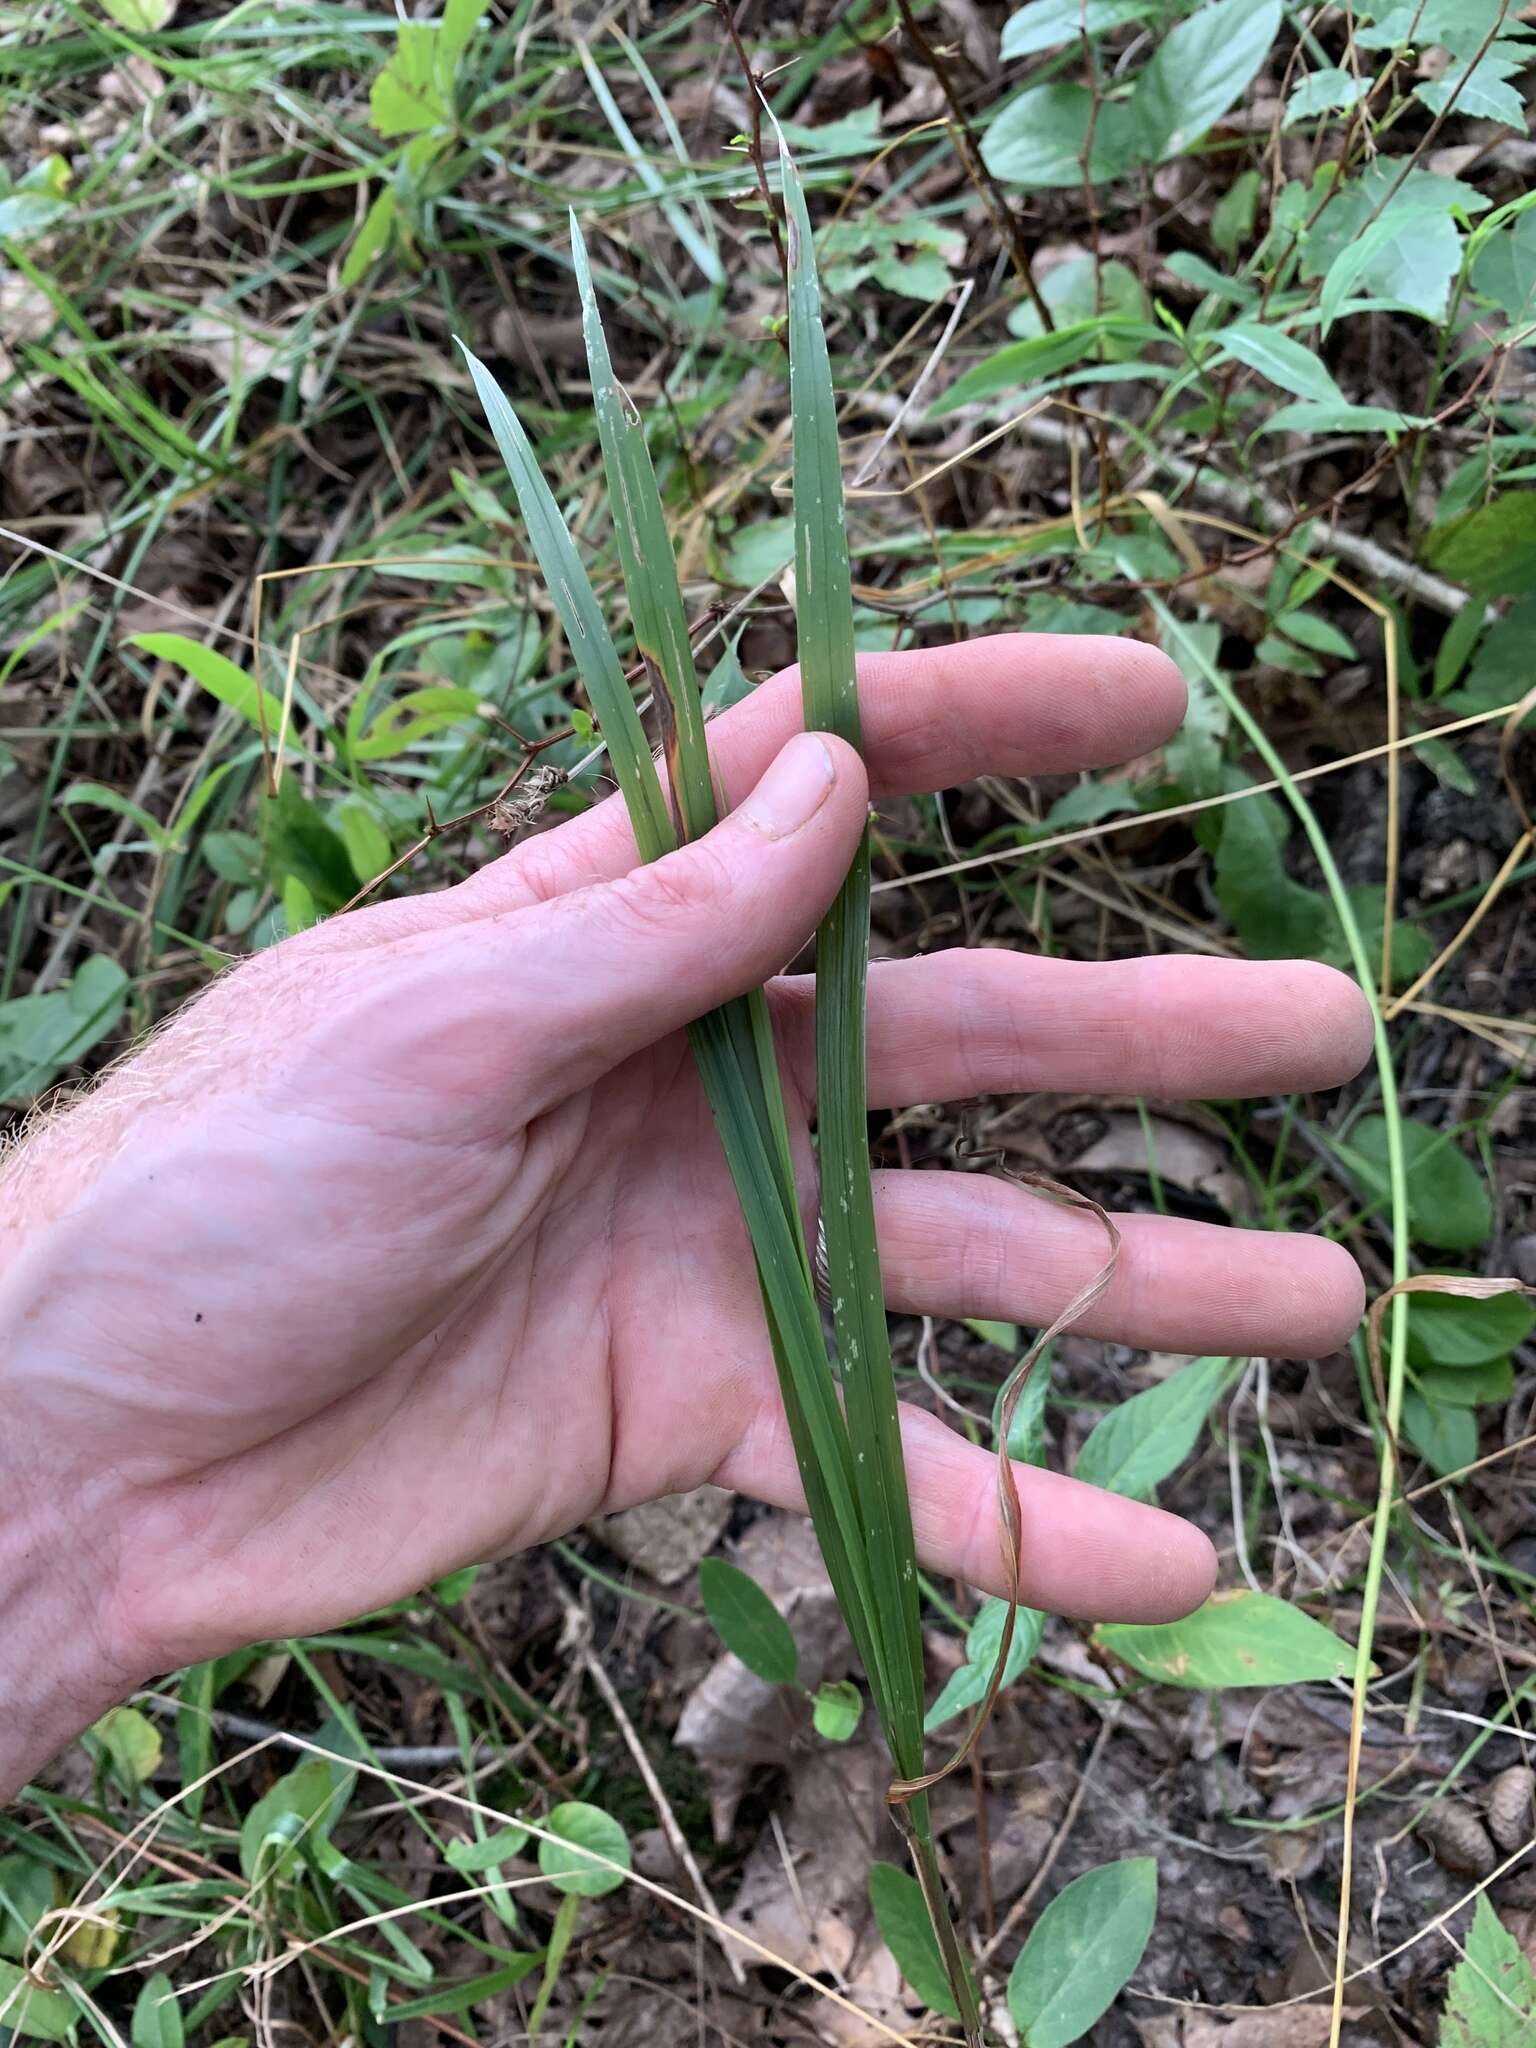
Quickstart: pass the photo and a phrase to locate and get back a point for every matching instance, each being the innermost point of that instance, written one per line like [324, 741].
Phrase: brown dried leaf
[666, 1538]
[1458, 1839]
[1509, 1805]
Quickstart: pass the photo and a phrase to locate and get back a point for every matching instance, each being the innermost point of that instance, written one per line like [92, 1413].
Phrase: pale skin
[410, 1244]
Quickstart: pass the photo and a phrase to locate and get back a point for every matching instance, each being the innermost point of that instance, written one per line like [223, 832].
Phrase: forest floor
[231, 289]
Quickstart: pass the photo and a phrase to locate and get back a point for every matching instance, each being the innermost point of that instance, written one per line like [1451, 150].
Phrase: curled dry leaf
[1509, 1806]
[1458, 1839]
[1186, 1158]
[666, 1538]
[1288, 2026]
[245, 351]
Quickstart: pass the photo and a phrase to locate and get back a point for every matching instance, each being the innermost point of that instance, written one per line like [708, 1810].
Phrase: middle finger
[982, 1021]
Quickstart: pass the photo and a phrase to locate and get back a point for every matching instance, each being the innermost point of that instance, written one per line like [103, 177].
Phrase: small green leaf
[1443, 1433]
[1236, 1638]
[761, 551]
[1415, 265]
[371, 239]
[457, 1996]
[305, 1804]
[97, 794]
[1037, 139]
[470, 1858]
[41, 1035]
[1480, 91]
[1466, 1386]
[1448, 1201]
[907, 1932]
[1082, 1951]
[727, 682]
[1490, 2001]
[1034, 361]
[36, 201]
[1311, 416]
[1275, 916]
[1047, 24]
[1199, 72]
[1026, 1432]
[584, 1833]
[1004, 1335]
[131, 1744]
[413, 716]
[967, 1687]
[300, 841]
[26, 1894]
[406, 97]
[837, 1710]
[452, 1587]
[748, 1623]
[299, 912]
[1357, 257]
[1321, 635]
[1328, 91]
[217, 675]
[1504, 268]
[1138, 1444]
[32, 2011]
[1237, 210]
[139, 17]
[1492, 548]
[1283, 361]
[365, 839]
[157, 2021]
[1456, 1330]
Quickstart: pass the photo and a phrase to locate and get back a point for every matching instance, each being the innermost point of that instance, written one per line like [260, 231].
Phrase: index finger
[1013, 704]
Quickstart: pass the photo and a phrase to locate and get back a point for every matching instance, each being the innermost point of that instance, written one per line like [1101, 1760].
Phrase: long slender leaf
[733, 1046]
[824, 621]
[824, 603]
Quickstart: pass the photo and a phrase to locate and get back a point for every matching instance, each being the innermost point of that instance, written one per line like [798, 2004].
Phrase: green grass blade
[660, 627]
[674, 215]
[591, 645]
[824, 605]
[656, 612]
[824, 618]
[732, 1045]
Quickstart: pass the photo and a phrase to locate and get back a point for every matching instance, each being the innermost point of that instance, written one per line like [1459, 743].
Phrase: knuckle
[673, 891]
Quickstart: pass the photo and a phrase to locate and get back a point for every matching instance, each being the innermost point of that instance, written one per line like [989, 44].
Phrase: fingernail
[793, 790]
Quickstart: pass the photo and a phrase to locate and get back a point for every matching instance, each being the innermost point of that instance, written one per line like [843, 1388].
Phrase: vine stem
[1397, 1181]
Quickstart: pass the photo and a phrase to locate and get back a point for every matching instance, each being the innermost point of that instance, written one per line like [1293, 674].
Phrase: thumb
[612, 968]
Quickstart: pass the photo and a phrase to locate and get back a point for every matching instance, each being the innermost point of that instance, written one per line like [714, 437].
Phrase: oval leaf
[584, 1833]
[748, 1623]
[836, 1710]
[967, 1687]
[156, 2015]
[1139, 1443]
[1200, 70]
[907, 1932]
[1082, 1950]
[1446, 1329]
[1283, 361]
[1448, 1203]
[218, 676]
[1236, 1638]
[30, 2011]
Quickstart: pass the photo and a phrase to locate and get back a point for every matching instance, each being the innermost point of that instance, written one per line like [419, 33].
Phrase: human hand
[411, 1242]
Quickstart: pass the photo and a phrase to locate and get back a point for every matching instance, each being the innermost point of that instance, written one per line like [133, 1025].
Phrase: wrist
[59, 1667]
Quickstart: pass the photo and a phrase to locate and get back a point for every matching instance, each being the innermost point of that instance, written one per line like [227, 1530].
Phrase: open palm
[411, 1243]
